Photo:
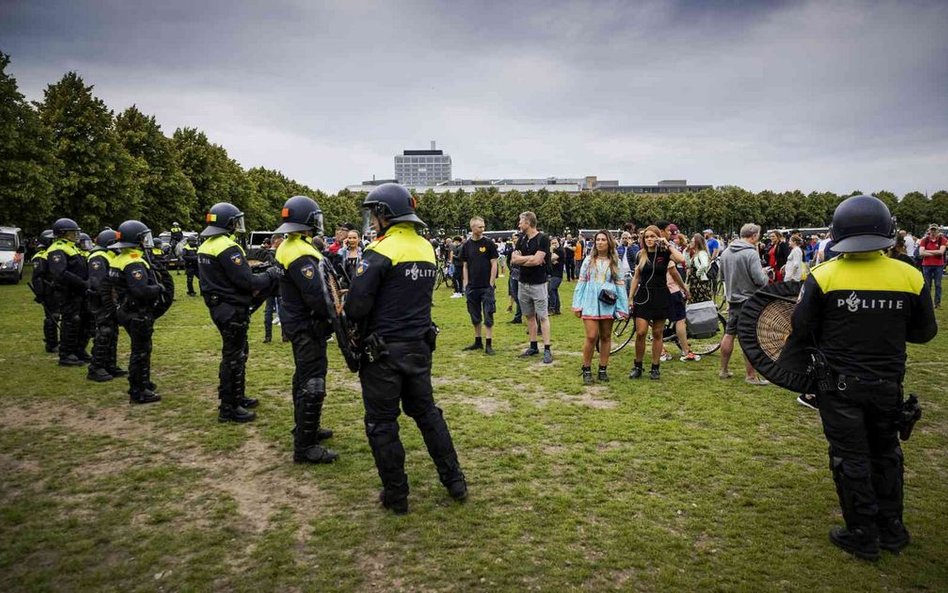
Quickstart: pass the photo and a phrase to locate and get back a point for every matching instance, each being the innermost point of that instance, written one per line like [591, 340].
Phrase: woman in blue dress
[598, 299]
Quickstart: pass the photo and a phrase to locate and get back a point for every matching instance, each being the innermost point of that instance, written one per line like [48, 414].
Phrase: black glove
[275, 273]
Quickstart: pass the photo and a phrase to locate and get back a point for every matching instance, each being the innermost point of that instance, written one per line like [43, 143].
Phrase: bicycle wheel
[718, 295]
[705, 346]
[623, 331]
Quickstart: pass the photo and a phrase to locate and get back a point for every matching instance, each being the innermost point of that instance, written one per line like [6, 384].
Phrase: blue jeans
[554, 293]
[933, 275]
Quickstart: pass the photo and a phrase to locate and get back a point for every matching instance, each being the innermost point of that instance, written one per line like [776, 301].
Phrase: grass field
[690, 483]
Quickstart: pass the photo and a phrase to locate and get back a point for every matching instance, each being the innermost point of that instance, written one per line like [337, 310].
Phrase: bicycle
[623, 332]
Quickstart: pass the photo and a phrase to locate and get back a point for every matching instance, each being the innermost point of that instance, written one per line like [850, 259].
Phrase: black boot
[145, 397]
[587, 376]
[389, 455]
[861, 542]
[99, 375]
[637, 370]
[399, 506]
[603, 377]
[307, 411]
[117, 372]
[248, 402]
[70, 360]
[231, 413]
[893, 536]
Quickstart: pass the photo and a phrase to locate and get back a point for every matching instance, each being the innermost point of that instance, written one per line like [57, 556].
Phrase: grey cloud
[781, 95]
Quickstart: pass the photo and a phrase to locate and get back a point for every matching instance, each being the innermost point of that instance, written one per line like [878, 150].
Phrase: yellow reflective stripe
[402, 243]
[294, 247]
[67, 247]
[126, 258]
[867, 272]
[215, 245]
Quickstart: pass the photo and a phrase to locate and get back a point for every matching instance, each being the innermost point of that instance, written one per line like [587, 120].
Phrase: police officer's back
[66, 269]
[103, 366]
[189, 253]
[390, 297]
[860, 309]
[136, 289]
[304, 314]
[228, 286]
[43, 290]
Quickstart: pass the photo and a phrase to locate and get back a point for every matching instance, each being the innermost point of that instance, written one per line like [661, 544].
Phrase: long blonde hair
[611, 252]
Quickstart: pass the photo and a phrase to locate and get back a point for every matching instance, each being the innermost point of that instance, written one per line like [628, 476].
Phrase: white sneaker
[665, 357]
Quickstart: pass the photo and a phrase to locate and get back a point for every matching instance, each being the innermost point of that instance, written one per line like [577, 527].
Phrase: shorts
[733, 313]
[534, 299]
[676, 307]
[481, 299]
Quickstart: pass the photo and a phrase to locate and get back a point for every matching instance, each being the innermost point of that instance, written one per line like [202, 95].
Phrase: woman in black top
[558, 259]
[650, 297]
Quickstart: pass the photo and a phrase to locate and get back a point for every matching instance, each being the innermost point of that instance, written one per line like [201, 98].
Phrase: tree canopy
[70, 156]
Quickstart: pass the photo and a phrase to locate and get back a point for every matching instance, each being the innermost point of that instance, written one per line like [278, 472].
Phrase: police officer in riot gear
[228, 286]
[102, 307]
[66, 269]
[136, 293]
[43, 290]
[390, 297]
[305, 317]
[190, 257]
[860, 309]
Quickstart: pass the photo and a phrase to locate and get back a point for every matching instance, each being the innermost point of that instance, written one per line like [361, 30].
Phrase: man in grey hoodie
[743, 275]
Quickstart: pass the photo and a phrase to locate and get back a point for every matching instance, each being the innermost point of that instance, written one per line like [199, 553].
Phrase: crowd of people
[91, 288]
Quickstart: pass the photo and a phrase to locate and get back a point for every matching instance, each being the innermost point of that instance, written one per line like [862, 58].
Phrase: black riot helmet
[105, 238]
[300, 214]
[192, 240]
[85, 242]
[392, 203]
[862, 223]
[223, 219]
[63, 226]
[133, 233]
[46, 238]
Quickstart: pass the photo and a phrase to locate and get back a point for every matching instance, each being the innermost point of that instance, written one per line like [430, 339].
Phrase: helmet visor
[318, 223]
[239, 226]
[147, 241]
[367, 221]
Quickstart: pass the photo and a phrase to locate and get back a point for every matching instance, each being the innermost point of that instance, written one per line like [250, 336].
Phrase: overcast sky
[830, 96]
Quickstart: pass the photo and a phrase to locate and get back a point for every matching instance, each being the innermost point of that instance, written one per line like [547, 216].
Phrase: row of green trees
[70, 155]
[723, 209]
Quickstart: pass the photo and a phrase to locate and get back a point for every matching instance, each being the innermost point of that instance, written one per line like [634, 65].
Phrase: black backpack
[713, 271]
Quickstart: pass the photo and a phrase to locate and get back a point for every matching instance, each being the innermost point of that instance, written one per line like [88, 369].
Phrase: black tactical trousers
[190, 273]
[404, 376]
[864, 451]
[309, 386]
[51, 320]
[140, 326]
[70, 308]
[232, 322]
[105, 341]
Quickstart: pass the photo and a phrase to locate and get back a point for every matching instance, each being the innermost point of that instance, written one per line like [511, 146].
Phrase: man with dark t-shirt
[532, 254]
[478, 258]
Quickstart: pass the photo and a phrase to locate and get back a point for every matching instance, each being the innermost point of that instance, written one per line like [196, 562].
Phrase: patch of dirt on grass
[10, 464]
[487, 406]
[254, 475]
[588, 398]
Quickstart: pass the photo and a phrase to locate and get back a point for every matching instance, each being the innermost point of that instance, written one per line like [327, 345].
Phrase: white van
[12, 251]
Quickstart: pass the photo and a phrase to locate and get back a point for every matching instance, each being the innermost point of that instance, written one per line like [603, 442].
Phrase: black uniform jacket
[66, 267]
[225, 273]
[133, 281]
[861, 309]
[304, 303]
[393, 285]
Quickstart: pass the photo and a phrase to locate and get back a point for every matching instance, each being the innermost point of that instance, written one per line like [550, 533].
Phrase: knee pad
[849, 468]
[315, 386]
[381, 433]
